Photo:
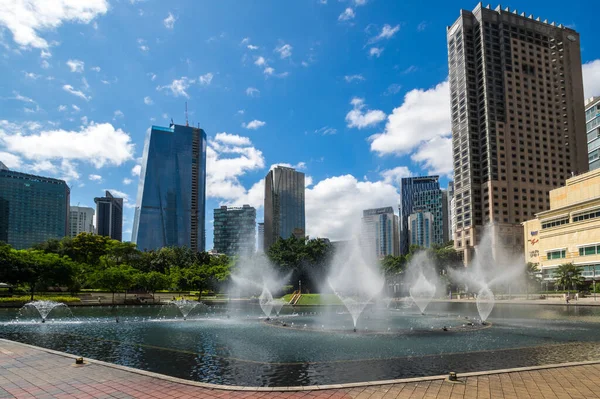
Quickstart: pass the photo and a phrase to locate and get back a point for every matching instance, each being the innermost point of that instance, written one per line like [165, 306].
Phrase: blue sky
[352, 92]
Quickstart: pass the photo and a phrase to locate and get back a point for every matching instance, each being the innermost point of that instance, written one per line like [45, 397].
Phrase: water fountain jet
[44, 307]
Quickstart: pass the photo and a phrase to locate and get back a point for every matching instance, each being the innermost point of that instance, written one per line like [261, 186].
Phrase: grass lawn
[27, 298]
[315, 299]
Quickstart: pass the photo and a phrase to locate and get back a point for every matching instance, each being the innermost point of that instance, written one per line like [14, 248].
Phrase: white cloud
[360, 2]
[76, 65]
[591, 78]
[85, 83]
[152, 76]
[118, 114]
[269, 71]
[178, 87]
[120, 194]
[326, 130]
[298, 166]
[75, 108]
[127, 181]
[360, 118]
[436, 155]
[251, 47]
[97, 178]
[31, 75]
[98, 144]
[10, 160]
[232, 139]
[387, 32]
[19, 97]
[308, 181]
[393, 176]
[285, 51]
[142, 45]
[169, 22]
[252, 91]
[148, 100]
[375, 52]
[206, 79]
[45, 54]
[240, 112]
[45, 64]
[245, 40]
[84, 120]
[260, 61]
[28, 19]
[392, 89]
[96, 69]
[350, 78]
[253, 125]
[413, 122]
[62, 108]
[78, 93]
[136, 170]
[347, 15]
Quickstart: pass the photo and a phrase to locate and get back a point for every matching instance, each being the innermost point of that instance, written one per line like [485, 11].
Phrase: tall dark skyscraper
[171, 197]
[109, 216]
[518, 121]
[235, 230]
[284, 205]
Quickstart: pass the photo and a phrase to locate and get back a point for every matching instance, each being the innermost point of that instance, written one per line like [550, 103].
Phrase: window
[554, 223]
[559, 254]
[586, 216]
[589, 250]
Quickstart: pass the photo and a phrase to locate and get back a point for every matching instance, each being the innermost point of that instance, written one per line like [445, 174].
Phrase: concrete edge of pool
[297, 388]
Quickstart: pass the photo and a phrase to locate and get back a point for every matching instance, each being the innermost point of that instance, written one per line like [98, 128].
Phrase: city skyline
[76, 107]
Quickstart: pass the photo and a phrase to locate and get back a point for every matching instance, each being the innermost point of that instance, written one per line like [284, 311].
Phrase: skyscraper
[33, 209]
[518, 122]
[420, 228]
[284, 205]
[379, 232]
[235, 230]
[81, 220]
[450, 227]
[592, 122]
[260, 246]
[171, 197]
[421, 193]
[109, 216]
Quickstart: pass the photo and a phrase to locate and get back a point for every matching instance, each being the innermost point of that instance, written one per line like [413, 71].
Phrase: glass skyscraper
[379, 232]
[420, 228]
[33, 209]
[235, 230]
[284, 205]
[171, 198]
[109, 216]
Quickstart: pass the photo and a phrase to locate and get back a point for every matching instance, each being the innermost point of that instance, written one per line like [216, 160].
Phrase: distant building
[261, 238]
[171, 199]
[109, 216]
[33, 208]
[379, 232]
[81, 220]
[592, 119]
[445, 217]
[284, 205]
[235, 230]
[451, 211]
[420, 228]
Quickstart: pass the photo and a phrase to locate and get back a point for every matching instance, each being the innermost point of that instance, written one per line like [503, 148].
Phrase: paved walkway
[29, 372]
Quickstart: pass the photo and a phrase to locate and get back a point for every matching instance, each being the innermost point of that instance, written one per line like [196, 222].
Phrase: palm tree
[532, 276]
[568, 275]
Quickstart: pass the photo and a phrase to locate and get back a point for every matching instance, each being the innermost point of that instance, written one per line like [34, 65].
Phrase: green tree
[153, 281]
[569, 276]
[532, 277]
[115, 279]
[88, 248]
[393, 265]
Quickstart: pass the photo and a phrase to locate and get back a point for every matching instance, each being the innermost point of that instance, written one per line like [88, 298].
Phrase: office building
[109, 216]
[420, 228]
[421, 193]
[284, 205]
[379, 232]
[33, 209]
[445, 216]
[235, 230]
[518, 121]
[171, 197]
[260, 247]
[81, 220]
[569, 232]
[450, 226]
[592, 122]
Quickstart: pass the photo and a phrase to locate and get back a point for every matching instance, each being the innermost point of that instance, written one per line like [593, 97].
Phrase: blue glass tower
[171, 198]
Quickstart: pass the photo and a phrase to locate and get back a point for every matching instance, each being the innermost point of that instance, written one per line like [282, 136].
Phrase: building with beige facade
[570, 231]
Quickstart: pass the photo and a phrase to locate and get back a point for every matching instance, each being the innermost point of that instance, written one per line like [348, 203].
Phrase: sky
[353, 93]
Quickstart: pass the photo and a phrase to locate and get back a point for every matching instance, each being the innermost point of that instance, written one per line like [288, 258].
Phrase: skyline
[327, 90]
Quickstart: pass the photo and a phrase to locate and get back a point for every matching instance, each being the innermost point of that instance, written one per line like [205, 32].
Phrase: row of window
[586, 216]
[560, 254]
[554, 223]
[589, 250]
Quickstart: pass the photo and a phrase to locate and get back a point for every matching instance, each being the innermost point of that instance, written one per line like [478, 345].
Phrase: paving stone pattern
[28, 372]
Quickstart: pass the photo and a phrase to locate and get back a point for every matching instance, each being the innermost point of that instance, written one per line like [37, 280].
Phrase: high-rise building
[421, 193]
[284, 205]
[450, 226]
[235, 230]
[518, 121]
[33, 209]
[420, 228]
[379, 232]
[109, 216]
[592, 121]
[445, 216]
[81, 220]
[260, 247]
[171, 197]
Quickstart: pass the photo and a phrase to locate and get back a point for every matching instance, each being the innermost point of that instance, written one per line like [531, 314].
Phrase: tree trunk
[199, 293]
[113, 300]
[32, 290]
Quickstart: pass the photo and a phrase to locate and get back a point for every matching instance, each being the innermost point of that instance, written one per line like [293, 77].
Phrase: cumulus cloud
[260, 61]
[206, 79]
[351, 78]
[591, 78]
[10, 160]
[387, 32]
[252, 91]
[76, 65]
[136, 170]
[375, 52]
[232, 139]
[252, 47]
[169, 22]
[347, 15]
[253, 125]
[178, 87]
[393, 176]
[435, 155]
[78, 93]
[148, 100]
[285, 50]
[360, 117]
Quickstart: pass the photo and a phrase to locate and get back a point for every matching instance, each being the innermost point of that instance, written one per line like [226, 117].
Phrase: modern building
[81, 220]
[569, 232]
[420, 228]
[284, 205]
[109, 216]
[424, 194]
[235, 230]
[592, 121]
[445, 217]
[379, 232]
[518, 121]
[33, 209]
[171, 198]
[260, 247]
[450, 226]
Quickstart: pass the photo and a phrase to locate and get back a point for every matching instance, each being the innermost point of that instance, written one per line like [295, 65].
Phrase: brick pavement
[29, 372]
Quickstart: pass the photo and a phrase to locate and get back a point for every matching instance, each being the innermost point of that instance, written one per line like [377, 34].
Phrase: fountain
[422, 292]
[278, 305]
[485, 303]
[266, 301]
[185, 306]
[423, 280]
[44, 307]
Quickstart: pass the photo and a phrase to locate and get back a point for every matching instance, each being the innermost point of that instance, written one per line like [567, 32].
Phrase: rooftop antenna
[186, 115]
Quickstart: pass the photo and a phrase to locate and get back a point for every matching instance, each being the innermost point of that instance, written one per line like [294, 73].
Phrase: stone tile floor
[28, 372]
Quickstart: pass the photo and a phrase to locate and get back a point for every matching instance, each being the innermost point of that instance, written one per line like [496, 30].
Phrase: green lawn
[26, 298]
[315, 299]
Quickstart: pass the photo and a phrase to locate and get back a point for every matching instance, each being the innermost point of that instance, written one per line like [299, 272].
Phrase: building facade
[570, 231]
[379, 232]
[171, 198]
[81, 220]
[518, 122]
[421, 193]
[235, 230]
[109, 216]
[420, 229]
[33, 208]
[592, 122]
[284, 205]
[450, 225]
[260, 246]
